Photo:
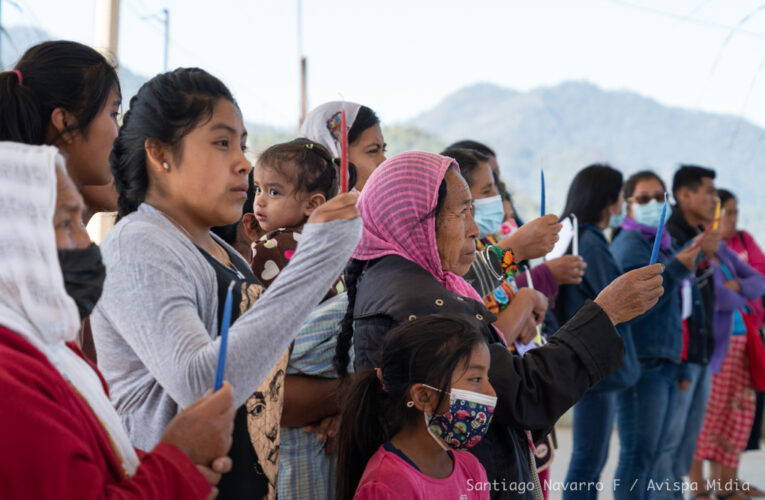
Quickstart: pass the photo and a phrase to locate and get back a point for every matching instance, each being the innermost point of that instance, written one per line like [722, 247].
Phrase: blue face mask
[650, 213]
[489, 214]
[617, 219]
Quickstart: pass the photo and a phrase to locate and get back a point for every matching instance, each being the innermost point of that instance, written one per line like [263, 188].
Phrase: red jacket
[53, 446]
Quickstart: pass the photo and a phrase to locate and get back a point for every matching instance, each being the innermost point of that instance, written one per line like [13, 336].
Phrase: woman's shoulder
[145, 237]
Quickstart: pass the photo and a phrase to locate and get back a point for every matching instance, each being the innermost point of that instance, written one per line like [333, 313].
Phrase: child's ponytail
[364, 428]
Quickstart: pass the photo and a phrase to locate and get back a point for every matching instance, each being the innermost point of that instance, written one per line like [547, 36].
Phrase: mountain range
[561, 129]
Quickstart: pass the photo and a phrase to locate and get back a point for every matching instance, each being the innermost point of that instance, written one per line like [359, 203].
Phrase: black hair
[690, 176]
[166, 108]
[308, 165]
[426, 351]
[468, 160]
[629, 185]
[353, 272]
[365, 118]
[58, 74]
[474, 145]
[228, 232]
[594, 188]
[725, 195]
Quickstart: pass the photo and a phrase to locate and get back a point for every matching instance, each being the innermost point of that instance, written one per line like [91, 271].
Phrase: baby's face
[276, 203]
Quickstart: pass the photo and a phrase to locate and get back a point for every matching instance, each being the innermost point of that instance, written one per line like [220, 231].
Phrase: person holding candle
[747, 249]
[180, 169]
[474, 168]
[366, 146]
[60, 435]
[645, 409]
[418, 240]
[692, 217]
[595, 197]
[731, 407]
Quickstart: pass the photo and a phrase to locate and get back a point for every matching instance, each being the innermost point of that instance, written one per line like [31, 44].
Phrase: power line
[686, 18]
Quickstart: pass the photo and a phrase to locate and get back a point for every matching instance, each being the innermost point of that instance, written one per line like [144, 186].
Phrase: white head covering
[33, 300]
[323, 124]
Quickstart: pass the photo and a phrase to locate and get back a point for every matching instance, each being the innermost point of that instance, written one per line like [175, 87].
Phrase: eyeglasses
[646, 198]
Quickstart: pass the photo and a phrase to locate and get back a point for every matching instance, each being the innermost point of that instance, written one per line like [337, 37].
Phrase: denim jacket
[601, 270]
[659, 332]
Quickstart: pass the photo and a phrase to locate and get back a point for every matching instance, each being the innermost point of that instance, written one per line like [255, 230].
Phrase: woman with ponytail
[180, 169]
[67, 95]
[407, 424]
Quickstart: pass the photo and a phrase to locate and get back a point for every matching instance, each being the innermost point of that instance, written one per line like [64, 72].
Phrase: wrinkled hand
[632, 293]
[326, 431]
[528, 328]
[203, 431]
[711, 243]
[220, 466]
[534, 239]
[341, 207]
[567, 270]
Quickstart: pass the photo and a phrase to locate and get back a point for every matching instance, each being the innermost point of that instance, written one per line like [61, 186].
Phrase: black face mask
[84, 275]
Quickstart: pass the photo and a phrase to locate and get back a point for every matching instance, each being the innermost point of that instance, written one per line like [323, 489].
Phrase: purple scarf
[647, 232]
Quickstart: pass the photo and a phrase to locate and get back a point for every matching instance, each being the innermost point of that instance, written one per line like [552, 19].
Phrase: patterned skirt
[730, 410]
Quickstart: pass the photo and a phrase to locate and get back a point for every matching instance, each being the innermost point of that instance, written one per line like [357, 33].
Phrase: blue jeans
[594, 417]
[680, 445]
[644, 413]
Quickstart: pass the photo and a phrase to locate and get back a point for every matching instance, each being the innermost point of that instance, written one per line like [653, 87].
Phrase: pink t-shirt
[388, 476]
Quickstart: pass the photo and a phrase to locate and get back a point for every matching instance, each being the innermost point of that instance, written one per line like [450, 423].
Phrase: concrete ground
[752, 464]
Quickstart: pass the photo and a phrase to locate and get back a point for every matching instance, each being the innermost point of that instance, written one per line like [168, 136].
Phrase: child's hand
[341, 207]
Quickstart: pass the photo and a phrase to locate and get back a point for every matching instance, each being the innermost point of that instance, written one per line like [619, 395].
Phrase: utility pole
[303, 65]
[167, 35]
[107, 27]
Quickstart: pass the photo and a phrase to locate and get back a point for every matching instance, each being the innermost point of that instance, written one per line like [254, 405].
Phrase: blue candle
[543, 192]
[224, 339]
[659, 231]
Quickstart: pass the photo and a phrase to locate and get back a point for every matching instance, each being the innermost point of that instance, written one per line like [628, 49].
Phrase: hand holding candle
[543, 192]
[224, 338]
[659, 232]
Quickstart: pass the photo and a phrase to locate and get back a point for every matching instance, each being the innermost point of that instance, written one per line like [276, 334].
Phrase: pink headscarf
[394, 204]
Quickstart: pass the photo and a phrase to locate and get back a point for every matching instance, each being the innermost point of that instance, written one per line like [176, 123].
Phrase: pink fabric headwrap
[394, 204]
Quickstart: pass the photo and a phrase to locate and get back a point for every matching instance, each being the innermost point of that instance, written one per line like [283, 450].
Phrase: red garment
[730, 410]
[53, 445]
[743, 244]
[387, 476]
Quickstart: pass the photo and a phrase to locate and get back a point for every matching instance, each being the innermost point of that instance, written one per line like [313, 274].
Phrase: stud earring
[165, 165]
[410, 404]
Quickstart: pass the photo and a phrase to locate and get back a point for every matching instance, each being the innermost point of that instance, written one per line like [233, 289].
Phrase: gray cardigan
[155, 327]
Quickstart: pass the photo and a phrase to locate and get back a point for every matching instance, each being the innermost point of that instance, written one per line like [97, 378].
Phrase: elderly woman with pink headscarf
[418, 240]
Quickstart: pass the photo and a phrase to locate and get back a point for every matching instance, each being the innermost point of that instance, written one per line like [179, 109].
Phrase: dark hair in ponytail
[59, 74]
[425, 350]
[166, 108]
[353, 272]
[308, 165]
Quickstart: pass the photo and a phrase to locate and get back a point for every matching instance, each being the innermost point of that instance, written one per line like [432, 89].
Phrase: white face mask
[489, 214]
[650, 213]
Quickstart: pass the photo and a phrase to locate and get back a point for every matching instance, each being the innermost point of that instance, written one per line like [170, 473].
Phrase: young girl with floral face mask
[406, 425]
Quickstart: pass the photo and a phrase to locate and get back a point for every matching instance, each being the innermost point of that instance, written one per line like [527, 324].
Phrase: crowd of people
[389, 341]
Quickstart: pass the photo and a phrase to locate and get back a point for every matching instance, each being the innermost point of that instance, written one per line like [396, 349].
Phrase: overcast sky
[402, 57]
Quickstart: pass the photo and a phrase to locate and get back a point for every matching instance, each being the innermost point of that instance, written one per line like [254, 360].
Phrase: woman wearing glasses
[644, 410]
